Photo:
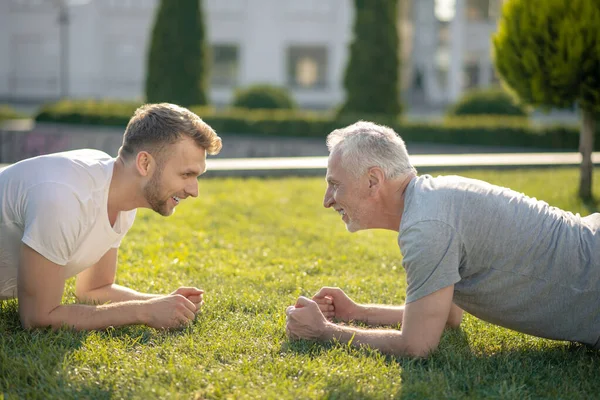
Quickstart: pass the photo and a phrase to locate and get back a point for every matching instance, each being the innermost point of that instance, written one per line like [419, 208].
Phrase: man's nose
[328, 199]
[192, 189]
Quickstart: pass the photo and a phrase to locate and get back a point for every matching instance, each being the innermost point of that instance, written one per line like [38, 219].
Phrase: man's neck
[122, 194]
[394, 208]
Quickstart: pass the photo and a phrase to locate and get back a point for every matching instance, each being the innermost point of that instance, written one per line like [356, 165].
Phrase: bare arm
[422, 326]
[40, 288]
[97, 283]
[334, 303]
[393, 315]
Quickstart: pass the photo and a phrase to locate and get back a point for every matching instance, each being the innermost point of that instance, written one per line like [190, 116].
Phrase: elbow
[454, 318]
[419, 351]
[31, 321]
[36, 319]
[82, 294]
[417, 348]
[453, 323]
[91, 294]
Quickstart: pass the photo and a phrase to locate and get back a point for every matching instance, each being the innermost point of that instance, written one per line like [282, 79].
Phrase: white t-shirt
[57, 204]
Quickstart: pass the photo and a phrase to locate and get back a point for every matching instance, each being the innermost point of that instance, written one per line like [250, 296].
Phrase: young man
[65, 214]
[466, 245]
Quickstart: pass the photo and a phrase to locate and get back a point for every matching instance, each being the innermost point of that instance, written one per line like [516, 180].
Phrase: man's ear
[376, 178]
[144, 163]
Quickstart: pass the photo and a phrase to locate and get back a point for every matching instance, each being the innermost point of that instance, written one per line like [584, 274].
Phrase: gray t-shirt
[515, 261]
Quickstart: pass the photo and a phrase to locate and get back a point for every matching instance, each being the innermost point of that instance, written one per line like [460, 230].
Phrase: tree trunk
[586, 146]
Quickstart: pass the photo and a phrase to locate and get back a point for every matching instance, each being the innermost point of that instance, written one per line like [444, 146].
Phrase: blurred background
[98, 49]
[274, 77]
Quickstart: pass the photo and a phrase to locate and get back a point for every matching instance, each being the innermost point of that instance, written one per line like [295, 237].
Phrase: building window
[471, 76]
[307, 67]
[442, 54]
[478, 10]
[442, 65]
[225, 65]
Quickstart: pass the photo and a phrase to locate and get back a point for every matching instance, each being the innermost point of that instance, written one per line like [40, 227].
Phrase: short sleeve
[52, 223]
[431, 258]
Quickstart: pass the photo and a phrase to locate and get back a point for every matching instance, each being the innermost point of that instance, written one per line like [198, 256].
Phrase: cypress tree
[177, 69]
[372, 74]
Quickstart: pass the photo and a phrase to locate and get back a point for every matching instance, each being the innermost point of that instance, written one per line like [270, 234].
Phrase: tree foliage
[548, 53]
[372, 77]
[177, 70]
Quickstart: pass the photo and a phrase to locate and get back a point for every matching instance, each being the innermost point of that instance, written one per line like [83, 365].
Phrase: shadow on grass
[511, 370]
[31, 362]
[507, 370]
[591, 205]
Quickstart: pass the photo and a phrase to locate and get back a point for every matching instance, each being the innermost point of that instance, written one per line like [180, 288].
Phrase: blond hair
[155, 126]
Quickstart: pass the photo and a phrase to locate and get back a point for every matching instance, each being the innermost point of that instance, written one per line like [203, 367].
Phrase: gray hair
[365, 144]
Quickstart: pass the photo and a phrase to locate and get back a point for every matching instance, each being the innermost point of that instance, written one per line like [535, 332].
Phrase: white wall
[108, 41]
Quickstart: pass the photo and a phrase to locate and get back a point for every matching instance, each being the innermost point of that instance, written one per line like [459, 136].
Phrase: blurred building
[451, 48]
[97, 48]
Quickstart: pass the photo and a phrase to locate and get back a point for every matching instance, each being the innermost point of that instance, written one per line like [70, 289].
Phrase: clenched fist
[305, 320]
[168, 312]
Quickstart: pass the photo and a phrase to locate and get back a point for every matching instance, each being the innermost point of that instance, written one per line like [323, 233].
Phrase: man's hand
[167, 312]
[305, 320]
[193, 294]
[334, 303]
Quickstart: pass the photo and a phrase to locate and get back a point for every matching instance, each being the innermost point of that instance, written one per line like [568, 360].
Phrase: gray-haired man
[466, 244]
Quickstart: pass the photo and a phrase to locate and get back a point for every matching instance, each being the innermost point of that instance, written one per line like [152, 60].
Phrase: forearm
[392, 315]
[114, 293]
[381, 315]
[84, 317]
[387, 341]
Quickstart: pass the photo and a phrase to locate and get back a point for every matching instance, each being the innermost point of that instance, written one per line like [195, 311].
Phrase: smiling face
[347, 194]
[176, 176]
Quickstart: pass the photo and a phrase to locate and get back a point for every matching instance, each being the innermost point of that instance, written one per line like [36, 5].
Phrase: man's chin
[165, 211]
[350, 227]
[168, 212]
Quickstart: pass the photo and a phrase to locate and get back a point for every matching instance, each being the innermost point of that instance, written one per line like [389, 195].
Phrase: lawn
[255, 245]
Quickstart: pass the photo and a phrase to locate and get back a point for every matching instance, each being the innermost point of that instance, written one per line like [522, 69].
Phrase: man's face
[347, 194]
[176, 177]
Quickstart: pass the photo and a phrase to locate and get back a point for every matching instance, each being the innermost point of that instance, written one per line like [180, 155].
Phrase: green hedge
[475, 130]
[7, 112]
[263, 96]
[486, 101]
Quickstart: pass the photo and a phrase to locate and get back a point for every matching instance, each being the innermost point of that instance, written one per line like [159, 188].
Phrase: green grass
[254, 246]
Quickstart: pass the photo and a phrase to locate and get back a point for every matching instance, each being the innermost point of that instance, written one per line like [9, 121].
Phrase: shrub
[486, 102]
[263, 96]
[7, 112]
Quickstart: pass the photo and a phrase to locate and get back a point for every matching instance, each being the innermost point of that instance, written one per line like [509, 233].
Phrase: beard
[357, 220]
[153, 196]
